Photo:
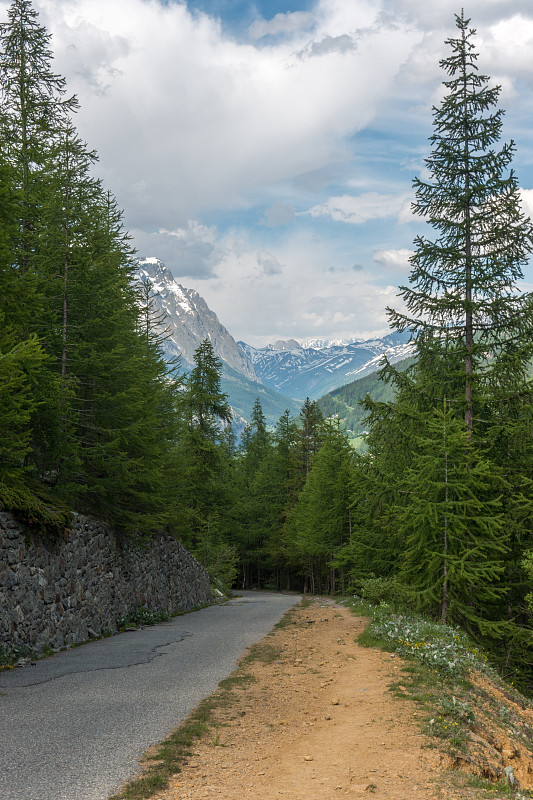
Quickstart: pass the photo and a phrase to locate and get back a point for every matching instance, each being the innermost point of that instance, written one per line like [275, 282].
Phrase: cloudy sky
[266, 150]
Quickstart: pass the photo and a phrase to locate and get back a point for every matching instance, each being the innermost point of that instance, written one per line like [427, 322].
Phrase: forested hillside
[345, 403]
[436, 516]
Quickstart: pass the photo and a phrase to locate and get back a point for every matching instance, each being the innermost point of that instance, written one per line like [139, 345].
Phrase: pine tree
[472, 328]
[33, 110]
[254, 509]
[102, 408]
[311, 419]
[206, 406]
[21, 357]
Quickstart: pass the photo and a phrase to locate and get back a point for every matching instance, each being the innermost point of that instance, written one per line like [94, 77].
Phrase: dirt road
[318, 722]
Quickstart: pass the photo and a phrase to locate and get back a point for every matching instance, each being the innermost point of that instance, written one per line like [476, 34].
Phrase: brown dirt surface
[312, 717]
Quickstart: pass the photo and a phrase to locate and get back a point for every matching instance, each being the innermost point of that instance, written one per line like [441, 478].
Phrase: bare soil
[316, 720]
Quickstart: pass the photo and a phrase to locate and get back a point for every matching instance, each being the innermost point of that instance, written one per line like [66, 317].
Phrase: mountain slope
[344, 401]
[189, 319]
[243, 392]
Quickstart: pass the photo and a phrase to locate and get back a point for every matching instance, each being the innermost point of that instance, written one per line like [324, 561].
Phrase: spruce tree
[33, 111]
[473, 332]
[254, 509]
[201, 451]
[452, 527]
[21, 357]
[311, 419]
[319, 524]
[463, 293]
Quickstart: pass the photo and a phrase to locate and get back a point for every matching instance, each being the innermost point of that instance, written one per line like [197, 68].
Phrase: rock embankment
[67, 591]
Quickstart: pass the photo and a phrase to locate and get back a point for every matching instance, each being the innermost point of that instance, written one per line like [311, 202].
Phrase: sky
[265, 151]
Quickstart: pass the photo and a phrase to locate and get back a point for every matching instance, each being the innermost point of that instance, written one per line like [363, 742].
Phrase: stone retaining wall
[78, 587]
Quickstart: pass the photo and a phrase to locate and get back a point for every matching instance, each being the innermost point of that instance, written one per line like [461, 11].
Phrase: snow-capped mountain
[189, 319]
[284, 368]
[301, 372]
[322, 344]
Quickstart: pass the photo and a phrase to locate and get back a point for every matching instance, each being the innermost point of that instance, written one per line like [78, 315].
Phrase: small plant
[8, 658]
[141, 616]
[504, 714]
[441, 647]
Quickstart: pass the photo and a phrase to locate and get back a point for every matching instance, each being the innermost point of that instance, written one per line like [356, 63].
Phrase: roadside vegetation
[481, 722]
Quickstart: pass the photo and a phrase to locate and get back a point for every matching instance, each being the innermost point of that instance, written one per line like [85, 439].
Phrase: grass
[167, 758]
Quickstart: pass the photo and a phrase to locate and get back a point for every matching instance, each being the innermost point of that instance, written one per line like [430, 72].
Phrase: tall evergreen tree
[201, 452]
[33, 111]
[463, 291]
[254, 509]
[454, 538]
[311, 419]
[319, 524]
[472, 328]
[21, 357]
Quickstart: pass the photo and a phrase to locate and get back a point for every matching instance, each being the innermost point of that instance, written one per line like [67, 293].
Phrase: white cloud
[526, 196]
[329, 44]
[192, 251]
[364, 207]
[202, 121]
[287, 291]
[194, 123]
[278, 215]
[289, 23]
[394, 259]
[268, 264]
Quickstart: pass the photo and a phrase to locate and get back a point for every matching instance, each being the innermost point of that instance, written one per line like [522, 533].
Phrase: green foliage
[346, 401]
[244, 391]
[443, 648]
[452, 526]
[34, 505]
[87, 405]
[8, 658]
[451, 452]
[381, 590]
[528, 567]
[320, 522]
[216, 555]
[463, 293]
[141, 616]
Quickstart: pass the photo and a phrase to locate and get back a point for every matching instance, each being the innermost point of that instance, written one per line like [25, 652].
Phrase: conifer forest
[436, 515]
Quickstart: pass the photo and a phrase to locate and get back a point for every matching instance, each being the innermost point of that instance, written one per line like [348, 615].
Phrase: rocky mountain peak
[290, 344]
[189, 319]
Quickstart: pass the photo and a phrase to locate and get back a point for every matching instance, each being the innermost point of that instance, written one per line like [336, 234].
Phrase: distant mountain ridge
[344, 402]
[301, 372]
[190, 321]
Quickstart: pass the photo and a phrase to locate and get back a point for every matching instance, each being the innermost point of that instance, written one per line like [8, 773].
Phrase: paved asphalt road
[72, 726]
